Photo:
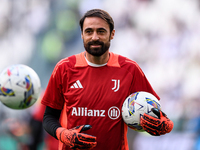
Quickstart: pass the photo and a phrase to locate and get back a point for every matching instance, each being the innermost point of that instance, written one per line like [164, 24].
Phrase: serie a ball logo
[19, 86]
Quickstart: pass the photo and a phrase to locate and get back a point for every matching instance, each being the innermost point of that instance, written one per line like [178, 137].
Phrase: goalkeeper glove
[76, 140]
[156, 126]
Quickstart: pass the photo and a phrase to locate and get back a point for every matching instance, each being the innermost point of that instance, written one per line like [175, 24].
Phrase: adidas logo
[77, 85]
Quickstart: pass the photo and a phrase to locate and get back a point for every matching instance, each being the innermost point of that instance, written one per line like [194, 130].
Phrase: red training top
[94, 95]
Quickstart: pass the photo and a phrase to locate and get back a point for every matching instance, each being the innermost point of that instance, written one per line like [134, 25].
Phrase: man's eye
[88, 31]
[101, 31]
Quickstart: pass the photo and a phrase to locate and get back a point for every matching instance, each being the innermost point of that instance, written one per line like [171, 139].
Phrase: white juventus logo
[116, 85]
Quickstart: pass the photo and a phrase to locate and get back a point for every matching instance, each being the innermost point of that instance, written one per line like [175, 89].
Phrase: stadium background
[162, 36]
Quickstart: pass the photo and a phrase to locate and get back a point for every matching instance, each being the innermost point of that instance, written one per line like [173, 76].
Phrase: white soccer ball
[135, 105]
[19, 86]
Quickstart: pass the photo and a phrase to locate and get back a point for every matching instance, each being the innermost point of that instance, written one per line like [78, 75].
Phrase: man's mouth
[95, 46]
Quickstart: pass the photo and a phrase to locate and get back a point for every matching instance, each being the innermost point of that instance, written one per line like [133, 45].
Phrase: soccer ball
[19, 86]
[135, 105]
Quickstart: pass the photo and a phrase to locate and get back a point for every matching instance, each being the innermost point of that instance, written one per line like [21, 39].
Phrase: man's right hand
[75, 139]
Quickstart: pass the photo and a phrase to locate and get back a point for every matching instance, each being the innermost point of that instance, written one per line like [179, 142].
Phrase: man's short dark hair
[98, 13]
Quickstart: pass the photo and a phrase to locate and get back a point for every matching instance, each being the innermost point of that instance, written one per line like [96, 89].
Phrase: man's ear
[112, 34]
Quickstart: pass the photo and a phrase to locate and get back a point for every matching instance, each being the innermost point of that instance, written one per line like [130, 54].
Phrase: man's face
[96, 36]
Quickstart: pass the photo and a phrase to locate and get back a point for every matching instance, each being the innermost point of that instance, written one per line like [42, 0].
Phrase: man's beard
[97, 51]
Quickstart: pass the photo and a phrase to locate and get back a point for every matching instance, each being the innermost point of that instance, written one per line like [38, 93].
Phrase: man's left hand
[156, 126]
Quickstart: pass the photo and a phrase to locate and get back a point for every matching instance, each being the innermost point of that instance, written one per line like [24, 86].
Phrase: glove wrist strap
[59, 132]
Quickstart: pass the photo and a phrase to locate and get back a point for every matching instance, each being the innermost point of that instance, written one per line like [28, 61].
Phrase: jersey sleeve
[140, 82]
[53, 96]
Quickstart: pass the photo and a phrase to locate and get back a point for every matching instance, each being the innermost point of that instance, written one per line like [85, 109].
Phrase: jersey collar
[82, 62]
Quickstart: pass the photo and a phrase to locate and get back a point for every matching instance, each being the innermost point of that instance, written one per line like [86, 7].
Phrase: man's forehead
[95, 22]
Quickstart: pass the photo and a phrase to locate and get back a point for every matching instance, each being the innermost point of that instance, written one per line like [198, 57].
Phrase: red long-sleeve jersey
[94, 95]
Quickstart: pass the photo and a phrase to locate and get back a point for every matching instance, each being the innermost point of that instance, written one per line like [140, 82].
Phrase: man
[86, 92]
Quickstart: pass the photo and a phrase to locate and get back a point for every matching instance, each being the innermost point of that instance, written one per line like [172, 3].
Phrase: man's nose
[95, 36]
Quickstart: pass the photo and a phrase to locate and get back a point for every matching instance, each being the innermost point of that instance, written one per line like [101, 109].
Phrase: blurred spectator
[38, 135]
